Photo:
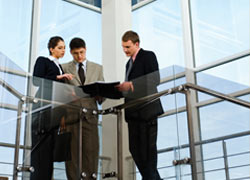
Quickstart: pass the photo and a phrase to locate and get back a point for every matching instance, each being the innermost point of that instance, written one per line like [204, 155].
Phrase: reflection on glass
[222, 33]
[159, 25]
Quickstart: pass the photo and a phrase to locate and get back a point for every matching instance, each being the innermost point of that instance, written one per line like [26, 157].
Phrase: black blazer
[45, 68]
[145, 78]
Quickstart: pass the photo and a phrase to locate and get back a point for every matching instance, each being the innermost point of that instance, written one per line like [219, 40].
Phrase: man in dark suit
[142, 78]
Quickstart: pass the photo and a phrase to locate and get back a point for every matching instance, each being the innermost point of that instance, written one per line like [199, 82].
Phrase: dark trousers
[42, 146]
[142, 146]
[42, 157]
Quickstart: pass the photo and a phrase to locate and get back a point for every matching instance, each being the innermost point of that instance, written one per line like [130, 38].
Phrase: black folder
[103, 89]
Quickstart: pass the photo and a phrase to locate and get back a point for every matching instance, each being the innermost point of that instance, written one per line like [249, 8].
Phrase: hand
[62, 124]
[125, 86]
[67, 76]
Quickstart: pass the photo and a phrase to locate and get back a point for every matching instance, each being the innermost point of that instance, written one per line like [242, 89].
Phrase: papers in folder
[103, 89]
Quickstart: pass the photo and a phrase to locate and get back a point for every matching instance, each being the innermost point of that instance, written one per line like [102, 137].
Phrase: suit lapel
[89, 70]
[61, 68]
[72, 70]
[137, 59]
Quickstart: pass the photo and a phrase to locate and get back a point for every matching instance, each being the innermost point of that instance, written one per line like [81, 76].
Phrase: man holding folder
[142, 78]
[85, 72]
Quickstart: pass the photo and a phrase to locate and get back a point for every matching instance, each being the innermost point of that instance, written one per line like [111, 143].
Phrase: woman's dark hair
[76, 43]
[53, 42]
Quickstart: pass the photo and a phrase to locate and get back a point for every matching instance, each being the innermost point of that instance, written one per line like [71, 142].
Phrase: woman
[43, 120]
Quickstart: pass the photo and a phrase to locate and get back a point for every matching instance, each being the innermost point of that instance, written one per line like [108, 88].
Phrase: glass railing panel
[229, 78]
[238, 154]
[223, 123]
[56, 101]
[175, 125]
[223, 118]
[7, 63]
[7, 159]
[216, 120]
[172, 127]
[53, 100]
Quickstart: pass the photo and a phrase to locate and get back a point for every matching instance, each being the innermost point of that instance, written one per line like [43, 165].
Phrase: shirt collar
[84, 62]
[134, 56]
[53, 59]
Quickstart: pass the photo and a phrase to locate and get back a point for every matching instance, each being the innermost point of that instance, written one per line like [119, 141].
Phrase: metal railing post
[80, 173]
[191, 135]
[17, 143]
[225, 159]
[177, 167]
[119, 146]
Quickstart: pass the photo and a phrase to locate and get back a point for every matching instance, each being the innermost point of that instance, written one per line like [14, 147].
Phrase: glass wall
[68, 21]
[15, 23]
[56, 18]
[160, 29]
[221, 28]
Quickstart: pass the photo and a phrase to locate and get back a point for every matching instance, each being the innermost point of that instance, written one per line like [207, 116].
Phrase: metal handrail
[218, 94]
[178, 89]
[11, 89]
[148, 99]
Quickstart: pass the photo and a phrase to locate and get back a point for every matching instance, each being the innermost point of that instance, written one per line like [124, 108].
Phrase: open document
[103, 89]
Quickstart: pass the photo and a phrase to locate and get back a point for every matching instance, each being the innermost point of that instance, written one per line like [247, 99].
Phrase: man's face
[79, 54]
[130, 48]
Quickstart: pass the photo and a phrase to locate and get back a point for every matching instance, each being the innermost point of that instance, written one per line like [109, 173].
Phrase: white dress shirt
[56, 61]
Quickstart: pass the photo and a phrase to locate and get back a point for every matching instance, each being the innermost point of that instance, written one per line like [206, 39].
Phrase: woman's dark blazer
[46, 71]
[145, 77]
[45, 68]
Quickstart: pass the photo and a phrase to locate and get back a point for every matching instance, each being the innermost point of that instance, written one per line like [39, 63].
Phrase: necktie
[129, 68]
[81, 73]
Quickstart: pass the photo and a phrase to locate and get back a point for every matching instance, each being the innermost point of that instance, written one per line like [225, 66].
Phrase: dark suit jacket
[145, 77]
[46, 70]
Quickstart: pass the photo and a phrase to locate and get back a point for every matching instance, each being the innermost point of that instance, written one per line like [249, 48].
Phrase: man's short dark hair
[53, 41]
[76, 43]
[132, 36]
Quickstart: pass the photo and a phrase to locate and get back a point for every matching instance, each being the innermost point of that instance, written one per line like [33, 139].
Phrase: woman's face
[59, 50]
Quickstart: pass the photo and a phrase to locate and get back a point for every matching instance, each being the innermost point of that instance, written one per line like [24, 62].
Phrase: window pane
[160, 29]
[15, 23]
[69, 21]
[227, 78]
[96, 3]
[7, 159]
[223, 119]
[136, 1]
[221, 28]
